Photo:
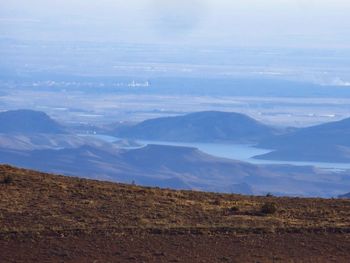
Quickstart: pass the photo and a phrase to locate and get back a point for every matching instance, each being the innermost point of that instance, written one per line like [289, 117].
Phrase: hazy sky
[301, 23]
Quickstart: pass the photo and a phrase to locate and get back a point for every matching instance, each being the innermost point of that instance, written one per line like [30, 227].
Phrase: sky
[255, 23]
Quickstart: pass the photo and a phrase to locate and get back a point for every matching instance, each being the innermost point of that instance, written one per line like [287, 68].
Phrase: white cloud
[339, 82]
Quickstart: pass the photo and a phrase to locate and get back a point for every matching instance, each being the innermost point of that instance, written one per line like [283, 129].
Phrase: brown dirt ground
[49, 218]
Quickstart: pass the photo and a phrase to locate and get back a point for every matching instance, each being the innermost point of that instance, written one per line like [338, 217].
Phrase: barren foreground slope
[48, 218]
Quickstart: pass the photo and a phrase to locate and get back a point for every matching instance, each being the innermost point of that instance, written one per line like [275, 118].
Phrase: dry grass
[37, 202]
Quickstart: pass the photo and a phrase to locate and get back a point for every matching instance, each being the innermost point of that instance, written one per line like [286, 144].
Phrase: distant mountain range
[164, 166]
[127, 143]
[345, 196]
[328, 142]
[210, 126]
[28, 121]
[321, 143]
[32, 139]
[332, 133]
[40, 141]
[179, 168]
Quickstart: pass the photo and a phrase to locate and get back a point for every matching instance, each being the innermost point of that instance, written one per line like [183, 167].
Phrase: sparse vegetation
[216, 202]
[234, 209]
[117, 206]
[95, 210]
[7, 179]
[269, 208]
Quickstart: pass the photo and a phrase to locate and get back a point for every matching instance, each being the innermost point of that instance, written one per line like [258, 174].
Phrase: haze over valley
[174, 131]
[32, 139]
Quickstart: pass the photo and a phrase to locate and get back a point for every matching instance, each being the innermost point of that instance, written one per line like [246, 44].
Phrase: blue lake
[241, 152]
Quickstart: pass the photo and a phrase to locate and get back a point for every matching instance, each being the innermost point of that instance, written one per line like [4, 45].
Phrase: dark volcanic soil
[145, 247]
[47, 218]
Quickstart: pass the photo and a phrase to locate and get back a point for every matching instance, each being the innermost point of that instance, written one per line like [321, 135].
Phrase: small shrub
[268, 208]
[269, 195]
[216, 202]
[230, 210]
[225, 259]
[7, 179]
[234, 209]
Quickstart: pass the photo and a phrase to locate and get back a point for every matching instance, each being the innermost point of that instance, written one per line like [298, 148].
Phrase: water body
[241, 152]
